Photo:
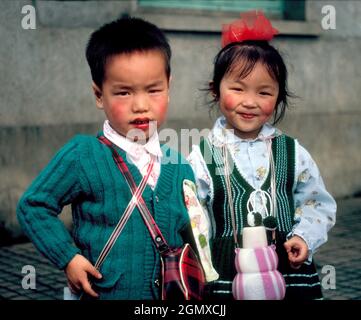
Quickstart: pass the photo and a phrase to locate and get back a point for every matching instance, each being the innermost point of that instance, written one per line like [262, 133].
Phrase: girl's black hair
[242, 58]
[125, 35]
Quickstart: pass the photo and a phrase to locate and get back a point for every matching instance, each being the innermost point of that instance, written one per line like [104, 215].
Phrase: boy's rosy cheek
[162, 108]
[119, 111]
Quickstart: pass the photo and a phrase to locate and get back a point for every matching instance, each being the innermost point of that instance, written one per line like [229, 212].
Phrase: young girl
[267, 168]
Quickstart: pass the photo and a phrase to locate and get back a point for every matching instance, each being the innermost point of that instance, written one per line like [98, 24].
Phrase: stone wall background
[46, 95]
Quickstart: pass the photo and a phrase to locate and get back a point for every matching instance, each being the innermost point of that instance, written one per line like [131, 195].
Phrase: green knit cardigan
[83, 174]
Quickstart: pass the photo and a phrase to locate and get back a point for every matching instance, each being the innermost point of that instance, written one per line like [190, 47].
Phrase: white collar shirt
[140, 155]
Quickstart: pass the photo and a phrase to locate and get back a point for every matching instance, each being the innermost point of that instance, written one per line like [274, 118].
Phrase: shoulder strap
[152, 227]
[124, 218]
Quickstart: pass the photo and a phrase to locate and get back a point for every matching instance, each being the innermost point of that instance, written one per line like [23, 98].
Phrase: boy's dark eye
[155, 90]
[237, 89]
[121, 93]
[265, 93]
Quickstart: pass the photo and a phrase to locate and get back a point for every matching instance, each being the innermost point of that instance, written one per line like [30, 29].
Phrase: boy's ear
[169, 81]
[98, 96]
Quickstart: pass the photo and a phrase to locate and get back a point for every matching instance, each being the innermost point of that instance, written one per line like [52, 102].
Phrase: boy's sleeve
[315, 211]
[38, 209]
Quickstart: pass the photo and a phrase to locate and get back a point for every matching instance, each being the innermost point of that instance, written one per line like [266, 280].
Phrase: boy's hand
[297, 250]
[77, 273]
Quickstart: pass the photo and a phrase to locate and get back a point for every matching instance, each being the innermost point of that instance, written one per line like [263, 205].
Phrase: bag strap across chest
[155, 233]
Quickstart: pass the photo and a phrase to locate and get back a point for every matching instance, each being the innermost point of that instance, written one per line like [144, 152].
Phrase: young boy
[129, 61]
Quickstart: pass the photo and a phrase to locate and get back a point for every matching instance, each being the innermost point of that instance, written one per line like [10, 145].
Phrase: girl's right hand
[297, 251]
[77, 273]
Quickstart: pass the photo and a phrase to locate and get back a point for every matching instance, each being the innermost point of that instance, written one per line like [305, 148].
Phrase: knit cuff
[63, 256]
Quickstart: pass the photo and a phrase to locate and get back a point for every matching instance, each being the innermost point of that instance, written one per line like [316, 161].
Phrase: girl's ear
[98, 96]
[211, 89]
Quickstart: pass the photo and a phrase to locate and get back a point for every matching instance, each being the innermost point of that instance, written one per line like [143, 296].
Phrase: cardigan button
[156, 199]
[156, 282]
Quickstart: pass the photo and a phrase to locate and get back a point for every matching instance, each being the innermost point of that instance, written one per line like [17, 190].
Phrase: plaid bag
[182, 273]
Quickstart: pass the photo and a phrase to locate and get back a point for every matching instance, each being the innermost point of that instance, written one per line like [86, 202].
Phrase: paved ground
[342, 252]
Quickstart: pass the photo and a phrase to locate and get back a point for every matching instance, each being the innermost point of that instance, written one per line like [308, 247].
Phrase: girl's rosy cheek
[268, 108]
[229, 102]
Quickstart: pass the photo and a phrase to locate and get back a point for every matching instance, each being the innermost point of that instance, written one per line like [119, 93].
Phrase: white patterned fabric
[200, 227]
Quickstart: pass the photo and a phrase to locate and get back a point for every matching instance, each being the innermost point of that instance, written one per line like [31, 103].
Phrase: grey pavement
[338, 263]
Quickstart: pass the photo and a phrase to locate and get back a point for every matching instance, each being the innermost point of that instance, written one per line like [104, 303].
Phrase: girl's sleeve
[315, 208]
[38, 209]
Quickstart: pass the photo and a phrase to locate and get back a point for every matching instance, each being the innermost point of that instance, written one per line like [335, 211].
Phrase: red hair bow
[253, 25]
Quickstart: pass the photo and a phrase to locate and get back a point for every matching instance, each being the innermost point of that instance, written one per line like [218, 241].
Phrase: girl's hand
[297, 250]
[77, 273]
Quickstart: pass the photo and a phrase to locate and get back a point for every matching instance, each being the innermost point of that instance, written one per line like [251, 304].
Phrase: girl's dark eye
[265, 93]
[237, 89]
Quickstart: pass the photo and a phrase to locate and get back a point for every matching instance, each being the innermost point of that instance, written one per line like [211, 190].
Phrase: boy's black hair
[242, 57]
[124, 35]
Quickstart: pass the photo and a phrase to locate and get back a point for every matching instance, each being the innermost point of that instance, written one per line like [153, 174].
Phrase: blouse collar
[221, 135]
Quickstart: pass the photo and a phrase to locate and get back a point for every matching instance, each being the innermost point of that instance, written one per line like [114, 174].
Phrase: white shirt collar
[221, 135]
[134, 149]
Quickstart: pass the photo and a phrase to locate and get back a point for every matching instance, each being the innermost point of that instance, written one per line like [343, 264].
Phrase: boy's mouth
[141, 123]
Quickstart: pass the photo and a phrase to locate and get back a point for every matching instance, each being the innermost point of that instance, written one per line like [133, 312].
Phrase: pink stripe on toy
[268, 286]
[238, 287]
[261, 259]
[273, 254]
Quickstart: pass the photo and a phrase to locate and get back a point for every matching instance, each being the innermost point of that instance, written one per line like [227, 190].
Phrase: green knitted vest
[283, 149]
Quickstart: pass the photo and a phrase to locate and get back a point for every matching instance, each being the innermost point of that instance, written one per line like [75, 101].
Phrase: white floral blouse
[315, 212]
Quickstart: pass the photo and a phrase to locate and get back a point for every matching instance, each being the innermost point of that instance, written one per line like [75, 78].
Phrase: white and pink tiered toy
[256, 264]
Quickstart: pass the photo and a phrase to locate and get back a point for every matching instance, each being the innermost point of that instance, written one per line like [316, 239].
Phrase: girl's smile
[247, 116]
